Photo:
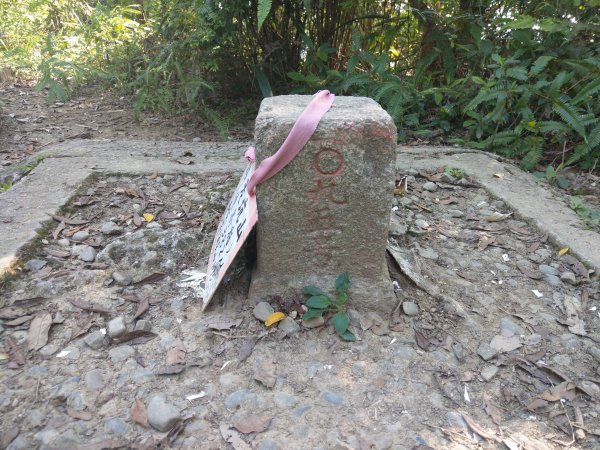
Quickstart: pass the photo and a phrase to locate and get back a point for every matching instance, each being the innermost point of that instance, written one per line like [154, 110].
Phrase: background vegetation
[518, 78]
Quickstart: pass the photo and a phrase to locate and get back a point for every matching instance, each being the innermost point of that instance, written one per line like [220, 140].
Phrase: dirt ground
[494, 341]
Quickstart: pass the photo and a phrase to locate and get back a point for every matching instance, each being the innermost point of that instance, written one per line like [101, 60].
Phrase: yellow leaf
[532, 123]
[149, 217]
[563, 251]
[274, 318]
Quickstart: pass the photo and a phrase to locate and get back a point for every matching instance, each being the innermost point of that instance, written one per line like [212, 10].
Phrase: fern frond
[264, 8]
[587, 91]
[540, 64]
[483, 96]
[569, 114]
[559, 81]
[534, 154]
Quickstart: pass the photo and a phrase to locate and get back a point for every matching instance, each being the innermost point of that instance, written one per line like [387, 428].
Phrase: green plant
[552, 176]
[320, 303]
[5, 186]
[455, 172]
[590, 216]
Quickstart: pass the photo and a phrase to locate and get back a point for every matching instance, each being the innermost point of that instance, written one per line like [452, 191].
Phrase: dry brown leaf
[8, 435]
[57, 230]
[231, 436]
[485, 241]
[103, 445]
[88, 306]
[185, 162]
[530, 273]
[154, 175]
[80, 415]
[479, 429]
[68, 220]
[57, 253]
[533, 247]
[143, 306]
[221, 323]
[172, 369]
[576, 266]
[17, 357]
[137, 220]
[265, 373]
[422, 340]
[176, 354]
[186, 205]
[566, 390]
[156, 276]
[136, 337]
[492, 410]
[37, 336]
[536, 404]
[139, 414]
[247, 347]
[18, 321]
[134, 192]
[251, 423]
[175, 187]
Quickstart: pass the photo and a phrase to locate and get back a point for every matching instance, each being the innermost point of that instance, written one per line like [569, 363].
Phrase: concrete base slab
[518, 189]
[65, 167]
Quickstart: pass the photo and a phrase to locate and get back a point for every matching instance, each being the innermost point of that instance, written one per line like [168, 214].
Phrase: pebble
[47, 350]
[486, 351]
[19, 443]
[110, 228]
[46, 437]
[488, 372]
[285, 400]
[456, 213]
[289, 326]
[430, 186]
[405, 201]
[268, 445]
[428, 253]
[116, 426]
[552, 280]
[116, 327]
[122, 279]
[333, 397]
[410, 308]
[262, 311]
[94, 380]
[236, 398]
[80, 236]
[569, 277]
[94, 340]
[33, 265]
[64, 243]
[162, 415]
[144, 325]
[548, 270]
[422, 224]
[509, 328]
[121, 353]
[87, 254]
[313, 322]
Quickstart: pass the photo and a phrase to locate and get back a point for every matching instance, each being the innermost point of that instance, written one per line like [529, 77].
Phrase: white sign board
[237, 222]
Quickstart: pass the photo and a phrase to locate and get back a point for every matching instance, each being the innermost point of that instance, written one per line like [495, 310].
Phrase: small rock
[410, 308]
[508, 328]
[144, 325]
[46, 350]
[116, 426]
[289, 326]
[46, 437]
[430, 186]
[94, 340]
[19, 443]
[268, 445]
[110, 228]
[236, 398]
[64, 243]
[422, 224]
[122, 279]
[154, 225]
[456, 213]
[87, 254]
[405, 201]
[505, 344]
[552, 280]
[397, 228]
[161, 415]
[262, 311]
[488, 372]
[33, 265]
[569, 277]
[548, 270]
[94, 380]
[486, 351]
[116, 327]
[80, 236]
[313, 322]
[121, 353]
[333, 397]
[428, 253]
[285, 400]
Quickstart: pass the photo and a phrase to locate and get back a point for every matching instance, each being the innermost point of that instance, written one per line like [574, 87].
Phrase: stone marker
[328, 211]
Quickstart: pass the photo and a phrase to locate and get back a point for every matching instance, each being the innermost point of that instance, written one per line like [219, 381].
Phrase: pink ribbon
[301, 132]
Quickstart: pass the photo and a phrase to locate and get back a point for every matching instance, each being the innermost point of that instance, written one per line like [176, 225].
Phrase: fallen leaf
[566, 390]
[422, 340]
[563, 251]
[148, 217]
[533, 247]
[103, 445]
[185, 162]
[220, 323]
[68, 220]
[81, 415]
[531, 273]
[497, 217]
[576, 266]
[137, 220]
[492, 410]
[485, 241]
[136, 337]
[18, 321]
[57, 230]
[479, 429]
[247, 347]
[175, 187]
[17, 357]
[152, 278]
[57, 253]
[138, 359]
[97, 266]
[176, 354]
[251, 423]
[186, 205]
[231, 436]
[88, 306]
[265, 373]
[522, 442]
[37, 336]
[170, 370]
[8, 435]
[139, 414]
[143, 306]
[134, 192]
[274, 318]
[537, 404]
